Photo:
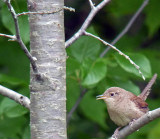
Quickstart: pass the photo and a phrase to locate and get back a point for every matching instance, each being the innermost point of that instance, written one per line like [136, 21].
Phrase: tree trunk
[48, 93]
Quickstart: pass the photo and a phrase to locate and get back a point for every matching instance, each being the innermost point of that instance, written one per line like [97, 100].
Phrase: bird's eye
[112, 94]
[116, 93]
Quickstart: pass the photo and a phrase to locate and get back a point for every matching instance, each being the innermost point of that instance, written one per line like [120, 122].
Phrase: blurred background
[88, 74]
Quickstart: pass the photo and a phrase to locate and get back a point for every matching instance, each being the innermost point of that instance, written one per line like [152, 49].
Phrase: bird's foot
[116, 133]
[131, 122]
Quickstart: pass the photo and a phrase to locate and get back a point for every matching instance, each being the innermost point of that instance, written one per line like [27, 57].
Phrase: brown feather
[147, 89]
[143, 106]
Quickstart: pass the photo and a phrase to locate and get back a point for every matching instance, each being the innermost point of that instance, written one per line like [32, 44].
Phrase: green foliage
[152, 17]
[73, 92]
[11, 109]
[94, 110]
[14, 74]
[154, 132]
[139, 59]
[7, 20]
[85, 70]
[85, 47]
[12, 127]
[96, 73]
[124, 7]
[26, 134]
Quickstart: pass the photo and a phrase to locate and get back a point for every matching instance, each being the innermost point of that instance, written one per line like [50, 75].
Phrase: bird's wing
[140, 104]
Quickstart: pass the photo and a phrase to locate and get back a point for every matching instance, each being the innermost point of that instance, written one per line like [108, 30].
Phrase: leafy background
[85, 69]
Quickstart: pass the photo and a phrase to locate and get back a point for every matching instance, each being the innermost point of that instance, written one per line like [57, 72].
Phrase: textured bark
[48, 94]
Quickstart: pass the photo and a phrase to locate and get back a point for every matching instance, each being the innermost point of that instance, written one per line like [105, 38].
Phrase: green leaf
[154, 132]
[12, 80]
[124, 7]
[11, 109]
[152, 16]
[72, 65]
[153, 56]
[14, 62]
[85, 67]
[11, 128]
[26, 134]
[139, 59]
[96, 73]
[123, 83]
[73, 92]
[85, 47]
[94, 110]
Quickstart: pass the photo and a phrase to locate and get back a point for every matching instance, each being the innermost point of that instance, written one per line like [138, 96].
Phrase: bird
[123, 106]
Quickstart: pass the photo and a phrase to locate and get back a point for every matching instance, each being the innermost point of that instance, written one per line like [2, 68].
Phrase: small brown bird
[123, 106]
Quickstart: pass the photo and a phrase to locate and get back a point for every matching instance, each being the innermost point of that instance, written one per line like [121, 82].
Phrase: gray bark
[48, 93]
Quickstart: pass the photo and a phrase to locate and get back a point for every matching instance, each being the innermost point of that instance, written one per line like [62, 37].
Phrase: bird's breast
[124, 112]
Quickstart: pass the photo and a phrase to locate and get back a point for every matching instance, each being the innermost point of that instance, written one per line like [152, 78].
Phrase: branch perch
[23, 100]
[145, 119]
[148, 117]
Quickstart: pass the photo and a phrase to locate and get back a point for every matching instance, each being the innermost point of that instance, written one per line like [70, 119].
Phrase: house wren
[123, 106]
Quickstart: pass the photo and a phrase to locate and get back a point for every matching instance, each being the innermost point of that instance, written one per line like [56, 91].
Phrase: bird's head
[112, 95]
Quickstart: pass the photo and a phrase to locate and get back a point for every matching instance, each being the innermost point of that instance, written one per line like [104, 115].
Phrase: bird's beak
[100, 97]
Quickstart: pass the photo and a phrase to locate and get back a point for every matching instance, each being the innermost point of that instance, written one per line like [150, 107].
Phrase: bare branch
[18, 37]
[86, 23]
[137, 124]
[91, 4]
[23, 100]
[83, 92]
[41, 13]
[12, 37]
[127, 27]
[69, 9]
[47, 12]
[121, 53]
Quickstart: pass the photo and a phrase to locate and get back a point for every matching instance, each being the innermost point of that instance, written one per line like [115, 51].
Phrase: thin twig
[91, 4]
[127, 27]
[12, 37]
[69, 9]
[41, 13]
[47, 12]
[147, 89]
[18, 37]
[121, 53]
[69, 115]
[86, 23]
[137, 124]
[23, 100]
